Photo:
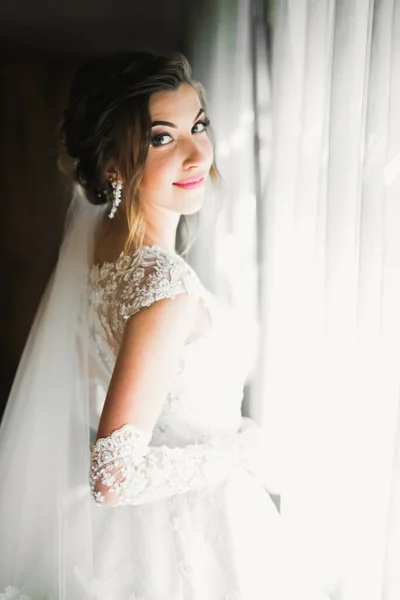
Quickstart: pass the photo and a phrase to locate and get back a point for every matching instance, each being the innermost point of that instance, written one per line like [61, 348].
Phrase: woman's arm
[124, 468]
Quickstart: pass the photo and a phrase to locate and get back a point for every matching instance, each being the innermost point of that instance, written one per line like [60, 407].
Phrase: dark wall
[41, 44]
[83, 27]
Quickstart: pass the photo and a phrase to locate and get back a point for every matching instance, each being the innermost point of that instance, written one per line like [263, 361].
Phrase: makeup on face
[190, 183]
[157, 139]
[168, 124]
[180, 154]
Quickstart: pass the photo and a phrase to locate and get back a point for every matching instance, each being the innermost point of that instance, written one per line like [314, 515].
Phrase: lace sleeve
[126, 470]
[155, 274]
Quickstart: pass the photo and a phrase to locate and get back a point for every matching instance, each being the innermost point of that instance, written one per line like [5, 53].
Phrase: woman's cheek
[155, 172]
[209, 151]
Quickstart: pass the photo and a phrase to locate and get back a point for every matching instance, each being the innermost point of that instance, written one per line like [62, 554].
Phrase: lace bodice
[121, 288]
[195, 441]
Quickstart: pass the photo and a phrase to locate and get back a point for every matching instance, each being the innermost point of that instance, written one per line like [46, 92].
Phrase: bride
[127, 470]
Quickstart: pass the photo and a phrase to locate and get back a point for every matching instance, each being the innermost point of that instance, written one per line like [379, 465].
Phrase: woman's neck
[113, 233]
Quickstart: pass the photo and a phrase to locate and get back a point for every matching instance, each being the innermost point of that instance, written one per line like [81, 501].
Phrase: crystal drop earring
[117, 188]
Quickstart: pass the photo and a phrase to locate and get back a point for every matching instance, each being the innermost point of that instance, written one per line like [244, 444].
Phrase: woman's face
[180, 153]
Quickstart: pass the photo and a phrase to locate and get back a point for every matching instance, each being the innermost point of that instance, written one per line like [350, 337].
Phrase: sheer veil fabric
[44, 435]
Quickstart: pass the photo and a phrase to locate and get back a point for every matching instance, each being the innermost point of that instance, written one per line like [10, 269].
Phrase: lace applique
[125, 470]
[120, 289]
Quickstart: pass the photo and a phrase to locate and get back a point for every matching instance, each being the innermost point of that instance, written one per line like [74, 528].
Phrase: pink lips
[190, 183]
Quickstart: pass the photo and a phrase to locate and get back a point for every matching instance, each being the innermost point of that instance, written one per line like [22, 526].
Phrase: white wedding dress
[216, 542]
[194, 523]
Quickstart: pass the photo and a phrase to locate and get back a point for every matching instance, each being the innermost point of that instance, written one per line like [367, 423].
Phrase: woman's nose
[197, 153]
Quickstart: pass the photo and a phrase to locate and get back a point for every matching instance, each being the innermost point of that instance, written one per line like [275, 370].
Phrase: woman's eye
[160, 139]
[164, 139]
[201, 126]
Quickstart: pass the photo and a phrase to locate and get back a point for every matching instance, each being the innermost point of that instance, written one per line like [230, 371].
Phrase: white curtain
[225, 252]
[329, 375]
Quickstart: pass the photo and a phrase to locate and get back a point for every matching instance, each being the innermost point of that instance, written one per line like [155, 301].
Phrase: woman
[127, 469]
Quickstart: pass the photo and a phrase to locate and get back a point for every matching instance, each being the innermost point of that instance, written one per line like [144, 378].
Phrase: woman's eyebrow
[168, 124]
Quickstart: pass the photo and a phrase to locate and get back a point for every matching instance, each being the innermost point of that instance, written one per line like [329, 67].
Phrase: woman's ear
[111, 171]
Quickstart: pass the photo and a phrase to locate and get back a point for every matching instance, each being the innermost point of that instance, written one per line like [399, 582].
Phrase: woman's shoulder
[147, 274]
[146, 265]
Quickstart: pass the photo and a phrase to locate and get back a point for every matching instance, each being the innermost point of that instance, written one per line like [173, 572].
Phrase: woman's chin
[192, 206]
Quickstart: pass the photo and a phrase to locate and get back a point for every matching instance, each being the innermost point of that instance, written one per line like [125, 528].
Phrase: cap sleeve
[153, 275]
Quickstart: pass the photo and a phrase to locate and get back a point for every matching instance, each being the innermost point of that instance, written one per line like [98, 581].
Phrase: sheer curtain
[225, 252]
[329, 373]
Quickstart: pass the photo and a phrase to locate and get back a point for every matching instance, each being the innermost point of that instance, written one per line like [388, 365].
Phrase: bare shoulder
[167, 314]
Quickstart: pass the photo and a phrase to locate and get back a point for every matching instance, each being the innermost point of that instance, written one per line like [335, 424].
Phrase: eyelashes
[157, 140]
[204, 122]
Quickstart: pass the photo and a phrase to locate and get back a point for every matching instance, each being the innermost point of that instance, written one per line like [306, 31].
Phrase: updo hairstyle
[107, 118]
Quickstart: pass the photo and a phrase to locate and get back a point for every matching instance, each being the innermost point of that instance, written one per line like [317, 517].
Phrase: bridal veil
[44, 435]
